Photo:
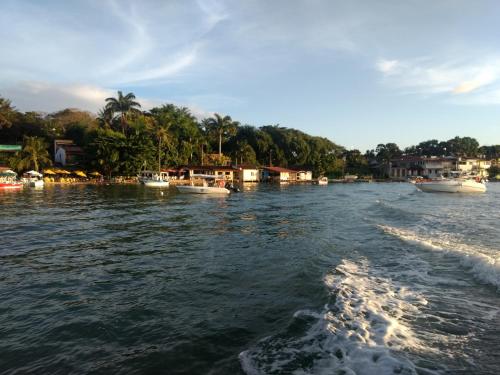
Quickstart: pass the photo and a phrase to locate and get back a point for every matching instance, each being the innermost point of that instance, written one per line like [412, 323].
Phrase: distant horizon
[358, 73]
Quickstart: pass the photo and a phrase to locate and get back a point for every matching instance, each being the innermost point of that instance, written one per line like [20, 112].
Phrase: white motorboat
[211, 184]
[156, 183]
[452, 185]
[322, 181]
[33, 179]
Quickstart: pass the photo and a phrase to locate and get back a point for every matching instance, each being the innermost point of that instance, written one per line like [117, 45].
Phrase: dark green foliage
[121, 140]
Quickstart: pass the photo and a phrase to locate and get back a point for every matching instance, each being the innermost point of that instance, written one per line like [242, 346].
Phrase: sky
[357, 72]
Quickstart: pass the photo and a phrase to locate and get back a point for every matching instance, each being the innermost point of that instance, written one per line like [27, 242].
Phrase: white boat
[452, 185]
[322, 181]
[9, 181]
[33, 179]
[157, 179]
[151, 179]
[211, 185]
[156, 183]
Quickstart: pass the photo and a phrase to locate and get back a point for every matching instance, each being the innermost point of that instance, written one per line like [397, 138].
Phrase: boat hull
[467, 186]
[37, 183]
[322, 181]
[4, 186]
[202, 190]
[156, 184]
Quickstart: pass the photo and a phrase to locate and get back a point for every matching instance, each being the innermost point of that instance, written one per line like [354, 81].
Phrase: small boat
[33, 179]
[157, 183]
[322, 181]
[154, 179]
[452, 185]
[211, 185]
[158, 179]
[8, 180]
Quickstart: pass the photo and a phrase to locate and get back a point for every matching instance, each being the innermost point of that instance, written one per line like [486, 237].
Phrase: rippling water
[338, 279]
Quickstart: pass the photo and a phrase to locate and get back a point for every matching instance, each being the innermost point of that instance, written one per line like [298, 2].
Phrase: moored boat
[33, 179]
[156, 182]
[322, 181]
[211, 184]
[452, 185]
[8, 180]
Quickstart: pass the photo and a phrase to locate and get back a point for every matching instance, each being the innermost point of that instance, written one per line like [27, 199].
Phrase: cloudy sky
[357, 72]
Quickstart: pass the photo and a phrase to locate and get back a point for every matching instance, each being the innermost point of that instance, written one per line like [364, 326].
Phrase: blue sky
[357, 72]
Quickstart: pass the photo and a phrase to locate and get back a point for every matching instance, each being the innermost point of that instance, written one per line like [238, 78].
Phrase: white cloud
[471, 79]
[50, 97]
[387, 66]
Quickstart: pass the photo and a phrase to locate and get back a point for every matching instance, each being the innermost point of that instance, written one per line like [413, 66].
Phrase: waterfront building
[66, 152]
[412, 166]
[278, 174]
[474, 166]
[248, 173]
[303, 175]
[225, 172]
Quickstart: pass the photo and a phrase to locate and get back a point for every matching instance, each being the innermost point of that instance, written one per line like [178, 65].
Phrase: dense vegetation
[123, 139]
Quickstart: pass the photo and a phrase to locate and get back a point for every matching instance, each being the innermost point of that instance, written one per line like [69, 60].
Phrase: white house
[277, 174]
[248, 173]
[410, 166]
[474, 166]
[303, 175]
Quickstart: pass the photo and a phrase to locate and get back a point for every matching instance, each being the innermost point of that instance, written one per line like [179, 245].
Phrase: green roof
[10, 147]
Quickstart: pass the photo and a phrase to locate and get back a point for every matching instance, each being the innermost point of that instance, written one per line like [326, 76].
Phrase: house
[225, 172]
[66, 152]
[474, 166]
[412, 166]
[303, 175]
[278, 174]
[248, 173]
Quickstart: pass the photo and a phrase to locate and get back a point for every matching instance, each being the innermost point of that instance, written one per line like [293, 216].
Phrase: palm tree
[123, 105]
[33, 155]
[104, 117]
[221, 127]
[161, 128]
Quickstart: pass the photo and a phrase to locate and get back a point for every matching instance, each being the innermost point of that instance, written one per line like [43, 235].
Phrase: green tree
[463, 146]
[7, 113]
[33, 155]
[222, 128]
[124, 105]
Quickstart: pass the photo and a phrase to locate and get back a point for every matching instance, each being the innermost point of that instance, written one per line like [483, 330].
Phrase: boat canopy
[34, 173]
[207, 176]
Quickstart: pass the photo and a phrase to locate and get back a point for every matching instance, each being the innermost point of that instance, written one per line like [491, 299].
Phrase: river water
[338, 279]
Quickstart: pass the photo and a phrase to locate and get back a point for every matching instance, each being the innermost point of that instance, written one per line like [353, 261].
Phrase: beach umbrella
[80, 174]
[62, 171]
[49, 171]
[97, 174]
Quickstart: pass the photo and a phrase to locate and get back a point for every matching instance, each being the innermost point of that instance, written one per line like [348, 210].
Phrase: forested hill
[123, 139]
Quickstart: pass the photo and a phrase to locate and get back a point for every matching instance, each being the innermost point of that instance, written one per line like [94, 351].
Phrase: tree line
[123, 139]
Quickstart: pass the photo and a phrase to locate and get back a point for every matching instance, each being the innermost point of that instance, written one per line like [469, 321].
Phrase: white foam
[484, 263]
[365, 330]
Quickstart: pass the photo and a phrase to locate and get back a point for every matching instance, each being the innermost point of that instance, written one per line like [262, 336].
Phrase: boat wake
[364, 329]
[484, 263]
